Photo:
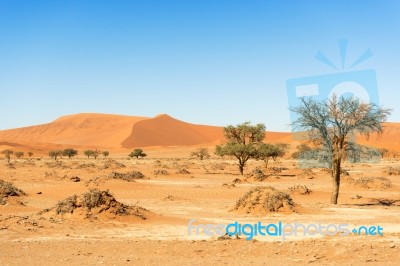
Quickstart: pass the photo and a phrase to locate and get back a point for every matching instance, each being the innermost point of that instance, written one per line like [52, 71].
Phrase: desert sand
[143, 218]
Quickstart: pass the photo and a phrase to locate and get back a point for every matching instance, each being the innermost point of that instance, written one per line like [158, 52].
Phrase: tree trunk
[266, 163]
[335, 181]
[241, 167]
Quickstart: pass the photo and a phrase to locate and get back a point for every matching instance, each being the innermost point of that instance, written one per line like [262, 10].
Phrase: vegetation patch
[263, 200]
[130, 176]
[258, 174]
[299, 189]
[371, 182]
[161, 172]
[183, 171]
[7, 189]
[393, 170]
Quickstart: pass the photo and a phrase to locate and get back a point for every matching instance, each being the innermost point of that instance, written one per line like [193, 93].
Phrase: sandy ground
[206, 194]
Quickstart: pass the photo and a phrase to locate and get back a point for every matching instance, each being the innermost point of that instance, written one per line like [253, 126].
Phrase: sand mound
[94, 203]
[380, 183]
[263, 200]
[7, 189]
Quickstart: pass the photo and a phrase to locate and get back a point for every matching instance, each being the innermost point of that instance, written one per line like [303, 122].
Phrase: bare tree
[333, 122]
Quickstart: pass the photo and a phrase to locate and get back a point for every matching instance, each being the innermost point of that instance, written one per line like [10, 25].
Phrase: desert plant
[88, 153]
[371, 182]
[393, 170]
[267, 151]
[384, 152]
[333, 122]
[130, 176]
[258, 174]
[7, 153]
[301, 189]
[105, 154]
[96, 153]
[264, 199]
[19, 154]
[137, 153]
[69, 152]
[201, 153]
[55, 154]
[161, 172]
[30, 154]
[241, 142]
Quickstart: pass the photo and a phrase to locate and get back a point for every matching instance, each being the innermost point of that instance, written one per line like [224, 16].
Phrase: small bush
[183, 171]
[300, 189]
[161, 172]
[8, 189]
[258, 174]
[130, 176]
[263, 200]
[393, 170]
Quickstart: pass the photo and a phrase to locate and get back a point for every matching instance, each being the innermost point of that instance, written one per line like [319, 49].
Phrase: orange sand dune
[164, 130]
[390, 139]
[120, 132]
[81, 129]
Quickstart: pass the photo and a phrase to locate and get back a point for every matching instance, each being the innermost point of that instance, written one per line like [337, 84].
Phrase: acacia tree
[7, 153]
[267, 151]
[201, 153]
[30, 154]
[333, 122]
[242, 141]
[384, 152]
[70, 152]
[55, 154]
[19, 154]
[96, 153]
[88, 153]
[137, 153]
[105, 153]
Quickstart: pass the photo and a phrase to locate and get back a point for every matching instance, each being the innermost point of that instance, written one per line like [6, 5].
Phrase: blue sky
[204, 61]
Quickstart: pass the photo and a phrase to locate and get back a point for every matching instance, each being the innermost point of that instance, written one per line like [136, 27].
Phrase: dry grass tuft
[299, 189]
[262, 200]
